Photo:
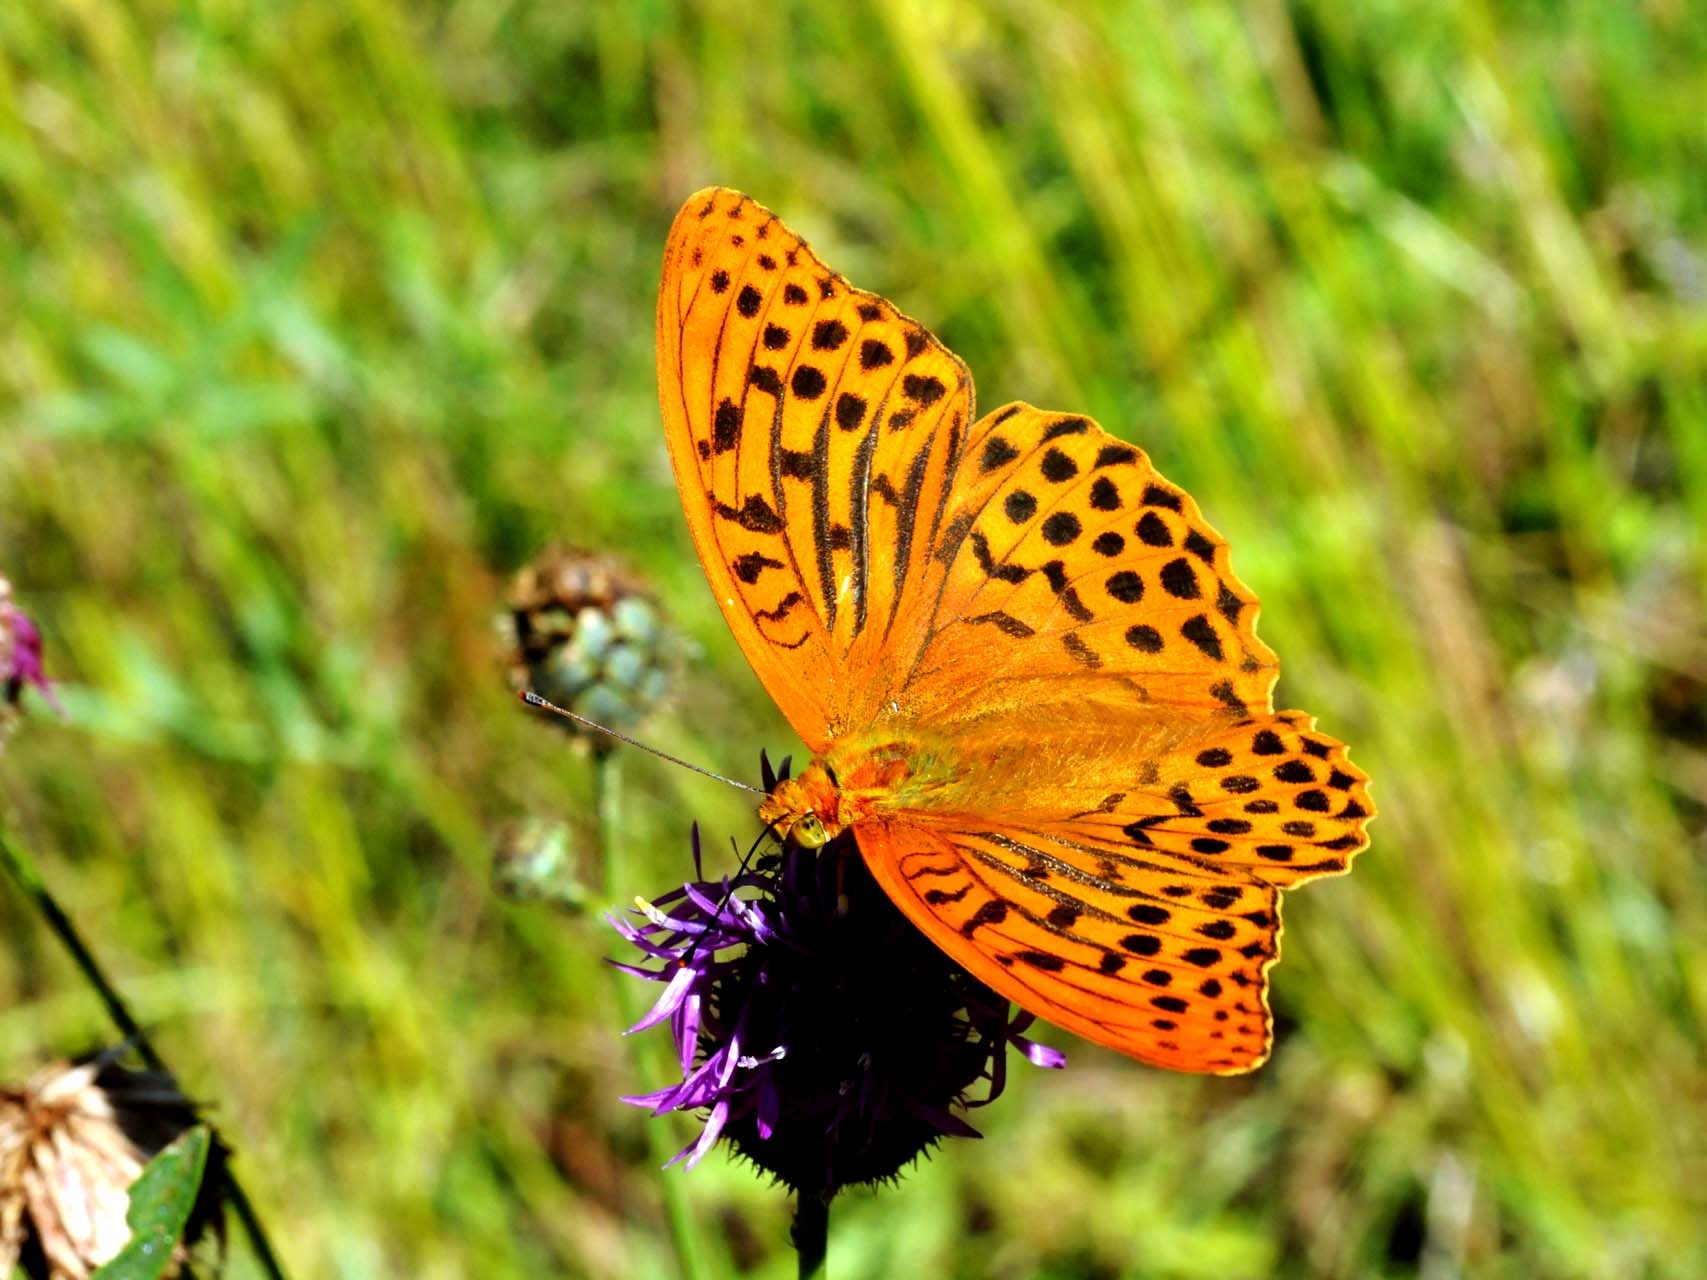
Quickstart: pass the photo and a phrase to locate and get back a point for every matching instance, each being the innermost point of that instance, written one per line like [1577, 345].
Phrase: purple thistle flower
[20, 654]
[826, 1039]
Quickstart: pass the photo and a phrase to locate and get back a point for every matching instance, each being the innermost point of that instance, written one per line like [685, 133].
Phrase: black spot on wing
[850, 411]
[1125, 586]
[1055, 571]
[1179, 581]
[1080, 652]
[1114, 455]
[828, 335]
[1201, 632]
[997, 453]
[1061, 528]
[725, 426]
[1020, 506]
[748, 567]
[1057, 467]
[1143, 638]
[926, 390]
[992, 912]
[781, 610]
[987, 563]
[1066, 427]
[1006, 623]
[874, 354]
[908, 515]
[808, 383]
[1156, 496]
[1153, 531]
[754, 515]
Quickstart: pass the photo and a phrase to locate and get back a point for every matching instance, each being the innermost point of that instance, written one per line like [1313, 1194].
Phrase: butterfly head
[849, 785]
[805, 810]
[809, 831]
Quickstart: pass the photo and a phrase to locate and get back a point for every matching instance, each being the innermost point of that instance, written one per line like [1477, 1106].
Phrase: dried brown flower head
[72, 1140]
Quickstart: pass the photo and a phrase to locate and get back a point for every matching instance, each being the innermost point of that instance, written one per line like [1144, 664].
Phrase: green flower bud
[534, 862]
[583, 633]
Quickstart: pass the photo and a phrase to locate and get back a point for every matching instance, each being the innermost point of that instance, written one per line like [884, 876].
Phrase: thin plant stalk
[811, 1234]
[22, 867]
[607, 788]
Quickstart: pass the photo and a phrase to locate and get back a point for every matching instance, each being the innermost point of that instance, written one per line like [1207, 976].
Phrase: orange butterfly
[1031, 684]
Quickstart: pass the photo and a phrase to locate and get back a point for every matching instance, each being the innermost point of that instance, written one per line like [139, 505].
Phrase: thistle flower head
[826, 1039]
[20, 657]
[73, 1138]
[582, 632]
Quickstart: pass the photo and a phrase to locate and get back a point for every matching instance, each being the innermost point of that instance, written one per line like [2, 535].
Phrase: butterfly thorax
[852, 783]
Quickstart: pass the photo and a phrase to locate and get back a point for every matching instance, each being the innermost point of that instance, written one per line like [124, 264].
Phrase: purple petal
[732, 1059]
[681, 1155]
[639, 971]
[673, 995]
[25, 658]
[704, 901]
[1040, 1055]
[770, 1105]
[701, 1085]
[628, 931]
[686, 1029]
[713, 1126]
[651, 1101]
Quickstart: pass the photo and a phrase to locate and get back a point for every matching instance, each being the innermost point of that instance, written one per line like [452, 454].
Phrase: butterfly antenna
[534, 700]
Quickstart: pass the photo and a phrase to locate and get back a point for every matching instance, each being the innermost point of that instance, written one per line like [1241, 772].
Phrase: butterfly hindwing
[1144, 954]
[1265, 797]
[1132, 895]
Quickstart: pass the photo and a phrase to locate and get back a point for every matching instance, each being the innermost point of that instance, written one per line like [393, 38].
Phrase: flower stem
[23, 869]
[811, 1234]
[607, 789]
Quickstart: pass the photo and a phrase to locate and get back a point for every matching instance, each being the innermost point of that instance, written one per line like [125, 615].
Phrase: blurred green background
[319, 319]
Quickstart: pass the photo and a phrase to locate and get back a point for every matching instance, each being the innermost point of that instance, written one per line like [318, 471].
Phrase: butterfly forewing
[1073, 565]
[814, 430]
